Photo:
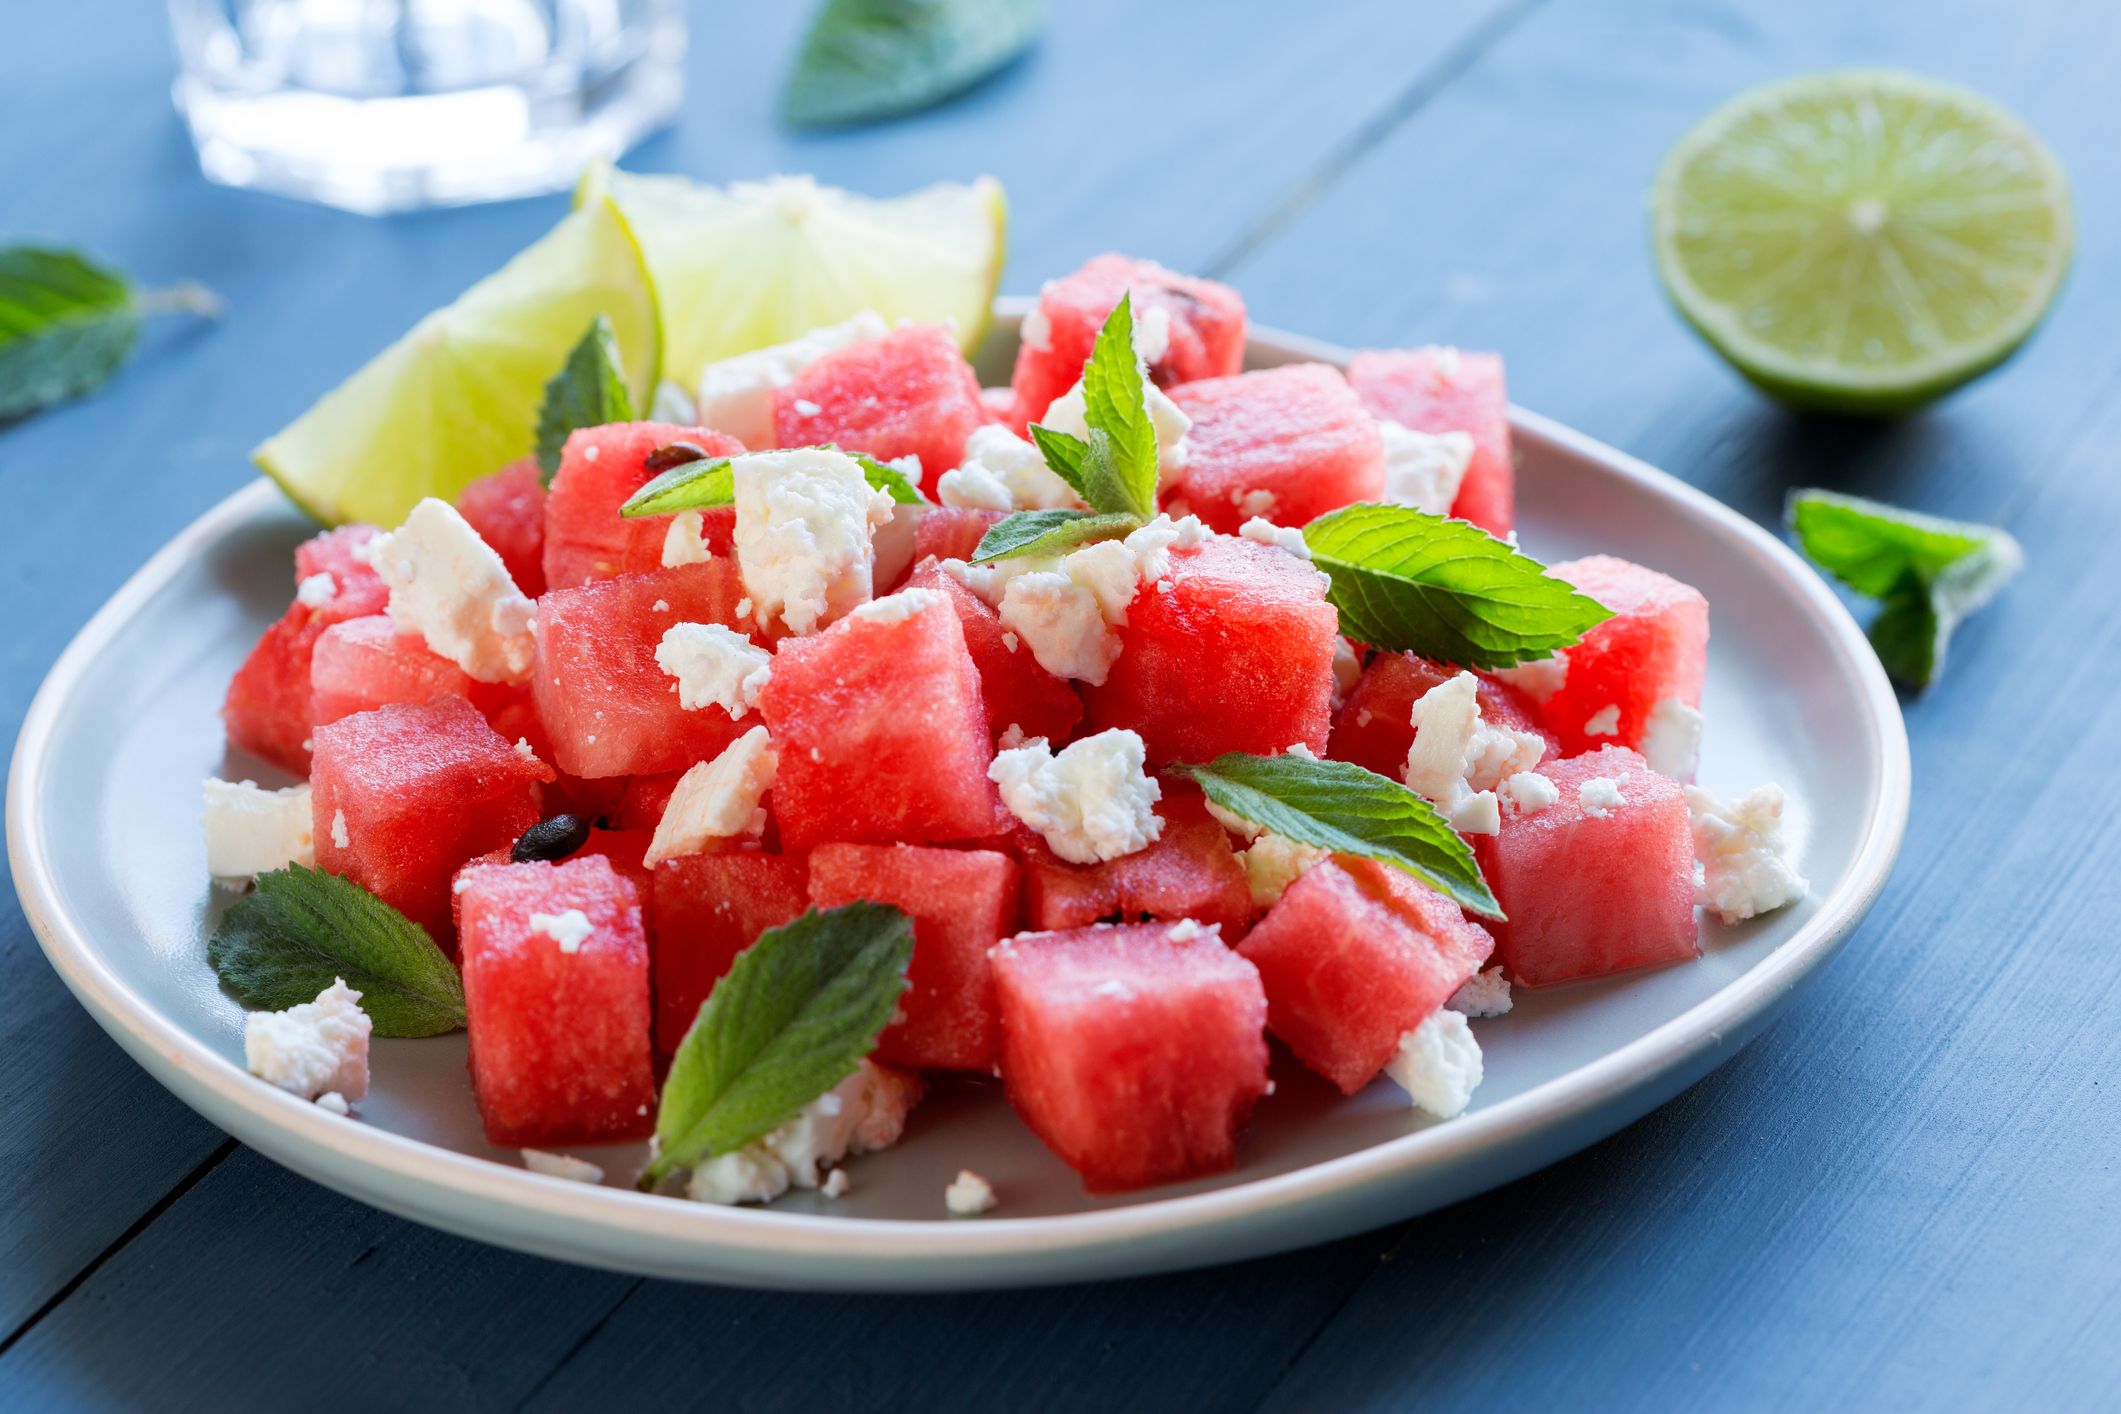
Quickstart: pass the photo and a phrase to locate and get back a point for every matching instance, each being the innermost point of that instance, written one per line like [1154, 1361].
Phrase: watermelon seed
[551, 840]
[674, 454]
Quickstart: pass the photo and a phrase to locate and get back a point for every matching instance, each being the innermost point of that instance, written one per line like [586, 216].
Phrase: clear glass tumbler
[389, 105]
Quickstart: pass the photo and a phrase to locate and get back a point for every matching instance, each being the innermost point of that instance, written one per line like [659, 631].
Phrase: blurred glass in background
[389, 105]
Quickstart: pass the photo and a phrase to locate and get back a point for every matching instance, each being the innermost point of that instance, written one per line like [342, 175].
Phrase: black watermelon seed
[675, 454]
[551, 840]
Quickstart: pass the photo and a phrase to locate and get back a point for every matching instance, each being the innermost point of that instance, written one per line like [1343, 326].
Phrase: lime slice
[758, 263]
[1862, 241]
[458, 396]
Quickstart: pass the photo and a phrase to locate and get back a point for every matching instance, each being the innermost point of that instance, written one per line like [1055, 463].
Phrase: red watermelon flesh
[363, 664]
[1189, 872]
[881, 734]
[1589, 896]
[948, 533]
[643, 800]
[1354, 956]
[1375, 726]
[507, 509]
[1136, 1052]
[1206, 328]
[1236, 656]
[414, 790]
[610, 708]
[1017, 691]
[1655, 646]
[910, 393]
[1445, 390]
[585, 536]
[709, 908]
[337, 552]
[560, 1051]
[1287, 443]
[962, 902]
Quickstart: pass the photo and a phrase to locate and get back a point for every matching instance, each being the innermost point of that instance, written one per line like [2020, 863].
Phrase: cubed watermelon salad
[1078, 684]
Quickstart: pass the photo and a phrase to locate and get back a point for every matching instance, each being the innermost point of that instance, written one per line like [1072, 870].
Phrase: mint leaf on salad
[67, 323]
[868, 59]
[1049, 533]
[793, 1017]
[1114, 470]
[706, 482]
[1345, 808]
[286, 940]
[1410, 582]
[589, 391]
[1927, 574]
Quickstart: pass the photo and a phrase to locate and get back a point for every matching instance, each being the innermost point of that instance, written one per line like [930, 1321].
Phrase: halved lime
[458, 396]
[1861, 241]
[757, 263]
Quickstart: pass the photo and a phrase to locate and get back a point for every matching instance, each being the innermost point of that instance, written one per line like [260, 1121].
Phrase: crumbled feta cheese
[835, 1185]
[332, 1102]
[1235, 823]
[1067, 414]
[1424, 469]
[448, 586]
[1281, 537]
[250, 830]
[1457, 760]
[672, 404]
[1539, 679]
[717, 799]
[1745, 864]
[1152, 332]
[339, 837]
[524, 749]
[1012, 737]
[1000, 471]
[805, 521]
[863, 1113]
[968, 1195]
[1185, 930]
[1484, 994]
[1256, 503]
[1528, 792]
[317, 590]
[565, 1166]
[897, 608]
[1091, 803]
[1036, 332]
[1447, 359]
[1061, 621]
[1603, 722]
[570, 928]
[1438, 1064]
[1066, 609]
[1299, 748]
[1273, 862]
[685, 543]
[312, 1047]
[1151, 545]
[805, 408]
[1600, 796]
[714, 667]
[1347, 671]
[747, 1175]
[661, 606]
[1671, 738]
[736, 394]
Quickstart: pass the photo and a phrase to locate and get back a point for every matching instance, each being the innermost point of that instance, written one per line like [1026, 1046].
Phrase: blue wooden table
[1907, 1195]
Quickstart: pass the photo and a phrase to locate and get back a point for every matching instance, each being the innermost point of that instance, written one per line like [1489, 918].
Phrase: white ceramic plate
[107, 857]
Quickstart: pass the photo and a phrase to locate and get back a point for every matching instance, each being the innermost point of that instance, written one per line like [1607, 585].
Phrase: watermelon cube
[709, 908]
[507, 509]
[585, 536]
[1654, 649]
[366, 663]
[1288, 443]
[1190, 871]
[1354, 956]
[608, 706]
[881, 733]
[1017, 691]
[910, 393]
[338, 553]
[1199, 325]
[1438, 390]
[1236, 654]
[1375, 726]
[403, 795]
[1594, 884]
[1136, 1051]
[962, 902]
[556, 1001]
[952, 533]
[643, 799]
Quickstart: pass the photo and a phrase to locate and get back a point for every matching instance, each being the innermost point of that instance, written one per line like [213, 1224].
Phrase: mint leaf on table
[589, 391]
[1049, 533]
[711, 481]
[1927, 574]
[66, 323]
[1411, 582]
[1115, 469]
[793, 1017]
[868, 59]
[1342, 807]
[285, 941]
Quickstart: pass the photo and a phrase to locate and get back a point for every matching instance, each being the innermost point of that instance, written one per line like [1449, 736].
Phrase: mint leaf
[888, 479]
[1928, 574]
[67, 323]
[285, 941]
[1115, 402]
[589, 391]
[868, 59]
[1339, 806]
[1411, 582]
[792, 1017]
[700, 484]
[1049, 533]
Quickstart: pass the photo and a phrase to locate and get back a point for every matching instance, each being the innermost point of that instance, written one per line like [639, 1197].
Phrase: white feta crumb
[1671, 739]
[1457, 760]
[1152, 332]
[1528, 792]
[451, 588]
[1185, 930]
[1600, 796]
[1273, 862]
[1539, 679]
[1000, 471]
[317, 590]
[565, 1166]
[1424, 469]
[897, 608]
[743, 608]
[1300, 748]
[1065, 610]
[570, 928]
[968, 1195]
[1603, 722]
[1067, 414]
[1438, 1064]
[332, 1102]
[805, 408]
[805, 526]
[661, 606]
[1235, 823]
[1448, 360]
[863, 1113]
[714, 667]
[1484, 994]
[1091, 803]
[1256, 503]
[717, 799]
[312, 1047]
[1745, 864]
[685, 543]
[339, 837]
[1281, 537]
[1347, 671]
[250, 830]
[1012, 737]
[736, 394]
[1036, 331]
[836, 1184]
[524, 749]
[672, 404]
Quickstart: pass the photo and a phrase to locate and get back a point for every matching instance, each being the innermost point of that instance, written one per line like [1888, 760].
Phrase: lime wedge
[1862, 241]
[756, 263]
[458, 396]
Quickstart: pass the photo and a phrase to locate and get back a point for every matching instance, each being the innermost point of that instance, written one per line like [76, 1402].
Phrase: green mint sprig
[1927, 574]
[793, 1017]
[863, 60]
[589, 391]
[67, 323]
[1411, 582]
[1049, 533]
[285, 941]
[1115, 469]
[1342, 807]
[706, 482]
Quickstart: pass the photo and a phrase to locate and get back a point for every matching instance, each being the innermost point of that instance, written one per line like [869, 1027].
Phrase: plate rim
[489, 1201]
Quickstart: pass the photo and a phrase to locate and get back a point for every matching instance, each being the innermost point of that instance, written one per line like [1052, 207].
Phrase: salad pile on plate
[727, 772]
